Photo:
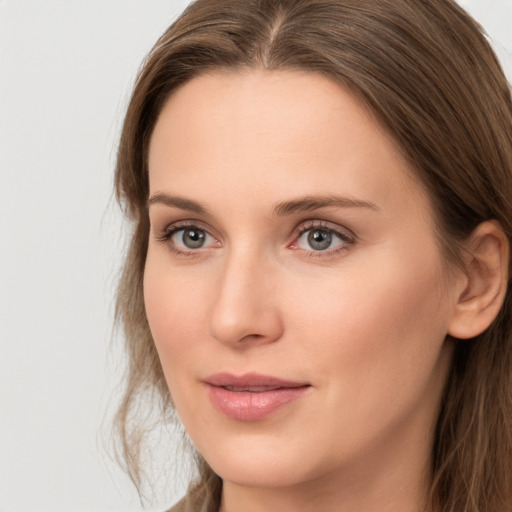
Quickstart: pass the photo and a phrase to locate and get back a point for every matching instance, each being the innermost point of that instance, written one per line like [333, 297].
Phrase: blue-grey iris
[193, 238]
[319, 240]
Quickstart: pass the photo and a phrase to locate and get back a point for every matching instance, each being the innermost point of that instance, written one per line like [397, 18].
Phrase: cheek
[393, 296]
[174, 303]
[173, 312]
[377, 330]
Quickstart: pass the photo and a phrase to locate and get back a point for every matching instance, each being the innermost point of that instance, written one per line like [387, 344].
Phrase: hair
[427, 72]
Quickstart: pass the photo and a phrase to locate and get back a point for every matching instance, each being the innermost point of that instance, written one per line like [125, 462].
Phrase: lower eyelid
[326, 255]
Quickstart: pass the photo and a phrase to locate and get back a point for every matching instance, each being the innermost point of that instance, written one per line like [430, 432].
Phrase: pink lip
[252, 397]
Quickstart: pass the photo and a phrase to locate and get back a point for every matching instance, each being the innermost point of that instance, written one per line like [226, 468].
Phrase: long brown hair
[427, 72]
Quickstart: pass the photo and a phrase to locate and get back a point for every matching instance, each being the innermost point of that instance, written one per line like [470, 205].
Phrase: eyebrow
[303, 204]
[311, 203]
[178, 202]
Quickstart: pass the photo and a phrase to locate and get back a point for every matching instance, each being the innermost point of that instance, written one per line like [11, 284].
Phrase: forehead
[274, 132]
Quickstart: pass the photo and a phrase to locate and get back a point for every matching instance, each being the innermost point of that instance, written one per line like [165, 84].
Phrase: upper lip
[251, 380]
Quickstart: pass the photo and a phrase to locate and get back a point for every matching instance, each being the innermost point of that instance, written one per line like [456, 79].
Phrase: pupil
[319, 240]
[193, 238]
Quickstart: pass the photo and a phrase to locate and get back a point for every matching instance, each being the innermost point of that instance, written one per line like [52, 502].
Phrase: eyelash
[347, 238]
[171, 230]
[344, 235]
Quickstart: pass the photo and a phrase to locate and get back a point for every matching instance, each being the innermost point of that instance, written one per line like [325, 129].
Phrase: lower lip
[253, 406]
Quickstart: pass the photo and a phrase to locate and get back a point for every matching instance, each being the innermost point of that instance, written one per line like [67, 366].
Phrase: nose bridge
[245, 307]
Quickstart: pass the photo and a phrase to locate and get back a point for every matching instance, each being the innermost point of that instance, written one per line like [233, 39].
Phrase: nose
[245, 310]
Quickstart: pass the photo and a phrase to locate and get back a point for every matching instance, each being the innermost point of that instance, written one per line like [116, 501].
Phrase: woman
[317, 279]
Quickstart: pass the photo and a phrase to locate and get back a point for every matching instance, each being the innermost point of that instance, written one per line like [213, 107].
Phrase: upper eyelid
[323, 224]
[175, 226]
[187, 223]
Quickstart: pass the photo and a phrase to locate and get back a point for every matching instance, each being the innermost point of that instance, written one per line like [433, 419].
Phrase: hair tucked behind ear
[427, 72]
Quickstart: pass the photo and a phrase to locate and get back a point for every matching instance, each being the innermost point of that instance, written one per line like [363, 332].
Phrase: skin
[363, 322]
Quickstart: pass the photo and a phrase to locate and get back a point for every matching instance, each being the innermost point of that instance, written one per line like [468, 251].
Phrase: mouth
[251, 389]
[252, 397]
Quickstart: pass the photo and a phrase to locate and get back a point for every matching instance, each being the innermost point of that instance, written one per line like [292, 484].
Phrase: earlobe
[485, 281]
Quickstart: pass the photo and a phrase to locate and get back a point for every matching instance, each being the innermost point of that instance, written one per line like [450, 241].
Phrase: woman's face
[293, 284]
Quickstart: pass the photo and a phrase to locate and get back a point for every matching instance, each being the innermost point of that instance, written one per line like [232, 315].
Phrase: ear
[485, 283]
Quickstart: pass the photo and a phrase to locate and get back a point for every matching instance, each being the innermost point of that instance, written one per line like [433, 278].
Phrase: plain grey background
[66, 70]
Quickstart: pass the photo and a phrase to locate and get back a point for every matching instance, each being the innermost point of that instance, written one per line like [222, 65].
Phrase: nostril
[250, 337]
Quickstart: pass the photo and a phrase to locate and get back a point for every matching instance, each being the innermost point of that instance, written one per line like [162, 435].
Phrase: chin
[258, 474]
[264, 463]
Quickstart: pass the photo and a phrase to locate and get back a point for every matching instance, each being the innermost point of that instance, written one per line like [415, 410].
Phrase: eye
[322, 239]
[185, 239]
